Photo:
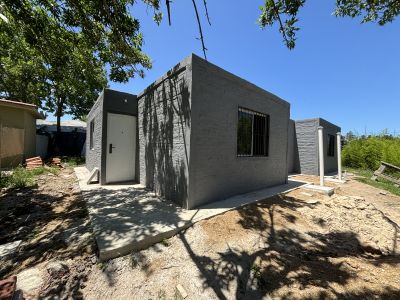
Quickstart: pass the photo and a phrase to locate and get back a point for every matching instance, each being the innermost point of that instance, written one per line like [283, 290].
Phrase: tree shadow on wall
[166, 123]
[286, 258]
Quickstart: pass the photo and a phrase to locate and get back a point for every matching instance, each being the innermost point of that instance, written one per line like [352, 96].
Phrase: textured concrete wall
[164, 134]
[307, 144]
[215, 170]
[293, 151]
[330, 161]
[307, 140]
[93, 156]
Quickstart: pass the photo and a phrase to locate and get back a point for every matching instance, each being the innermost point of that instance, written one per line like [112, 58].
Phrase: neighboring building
[18, 132]
[66, 126]
[203, 134]
[303, 146]
[69, 142]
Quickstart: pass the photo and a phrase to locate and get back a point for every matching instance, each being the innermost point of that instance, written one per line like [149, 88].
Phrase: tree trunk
[59, 112]
[56, 140]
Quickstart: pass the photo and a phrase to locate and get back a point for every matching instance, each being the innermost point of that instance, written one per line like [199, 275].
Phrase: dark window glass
[91, 134]
[252, 135]
[331, 145]
[244, 137]
[260, 137]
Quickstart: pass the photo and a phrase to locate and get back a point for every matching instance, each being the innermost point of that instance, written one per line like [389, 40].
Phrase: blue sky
[340, 70]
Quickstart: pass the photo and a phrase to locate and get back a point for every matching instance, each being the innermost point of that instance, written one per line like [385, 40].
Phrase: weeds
[73, 161]
[21, 177]
[102, 265]
[364, 176]
[165, 242]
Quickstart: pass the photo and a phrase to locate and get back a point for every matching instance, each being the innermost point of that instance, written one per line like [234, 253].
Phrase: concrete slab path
[128, 217]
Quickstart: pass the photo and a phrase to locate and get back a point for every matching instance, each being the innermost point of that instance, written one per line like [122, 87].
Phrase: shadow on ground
[288, 258]
[52, 222]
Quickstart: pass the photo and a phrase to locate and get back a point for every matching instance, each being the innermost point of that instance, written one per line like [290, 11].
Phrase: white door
[121, 148]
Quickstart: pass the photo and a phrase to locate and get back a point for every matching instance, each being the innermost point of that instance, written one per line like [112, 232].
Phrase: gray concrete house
[111, 137]
[303, 146]
[203, 134]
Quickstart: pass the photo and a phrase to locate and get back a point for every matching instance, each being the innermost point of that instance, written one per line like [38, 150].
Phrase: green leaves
[380, 11]
[284, 12]
[56, 53]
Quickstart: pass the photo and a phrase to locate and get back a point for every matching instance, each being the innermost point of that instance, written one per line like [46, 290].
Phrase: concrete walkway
[129, 217]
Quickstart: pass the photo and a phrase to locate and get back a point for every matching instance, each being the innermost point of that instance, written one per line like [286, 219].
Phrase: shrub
[367, 153]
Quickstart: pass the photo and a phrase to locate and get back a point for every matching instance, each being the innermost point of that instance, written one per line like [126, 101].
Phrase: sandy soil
[295, 246]
[52, 222]
[300, 245]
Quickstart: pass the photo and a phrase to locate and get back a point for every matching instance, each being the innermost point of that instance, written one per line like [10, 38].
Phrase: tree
[23, 73]
[67, 47]
[284, 12]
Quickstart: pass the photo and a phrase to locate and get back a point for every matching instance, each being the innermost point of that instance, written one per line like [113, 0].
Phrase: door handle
[110, 147]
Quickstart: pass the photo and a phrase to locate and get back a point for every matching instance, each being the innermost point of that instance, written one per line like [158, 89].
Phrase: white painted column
[339, 154]
[321, 155]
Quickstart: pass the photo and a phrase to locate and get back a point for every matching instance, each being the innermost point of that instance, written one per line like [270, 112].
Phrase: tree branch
[205, 7]
[200, 29]
[167, 2]
[280, 22]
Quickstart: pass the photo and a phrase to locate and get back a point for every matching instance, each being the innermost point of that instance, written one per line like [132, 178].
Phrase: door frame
[103, 174]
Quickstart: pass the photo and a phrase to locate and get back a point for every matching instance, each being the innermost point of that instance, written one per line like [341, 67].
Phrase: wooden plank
[33, 159]
[390, 178]
[390, 165]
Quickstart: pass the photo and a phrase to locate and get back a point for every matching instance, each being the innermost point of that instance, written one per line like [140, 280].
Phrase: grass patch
[364, 176]
[73, 161]
[21, 177]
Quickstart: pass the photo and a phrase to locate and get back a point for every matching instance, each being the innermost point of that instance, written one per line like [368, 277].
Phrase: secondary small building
[303, 146]
[18, 132]
[111, 137]
[203, 134]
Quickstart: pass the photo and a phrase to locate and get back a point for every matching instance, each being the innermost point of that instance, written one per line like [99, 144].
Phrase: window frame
[331, 153]
[91, 132]
[266, 134]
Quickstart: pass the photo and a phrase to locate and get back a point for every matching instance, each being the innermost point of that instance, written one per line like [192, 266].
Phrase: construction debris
[55, 161]
[34, 162]
[382, 168]
[181, 292]
[7, 288]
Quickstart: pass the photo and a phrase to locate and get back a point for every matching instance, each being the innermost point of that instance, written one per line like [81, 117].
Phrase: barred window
[253, 133]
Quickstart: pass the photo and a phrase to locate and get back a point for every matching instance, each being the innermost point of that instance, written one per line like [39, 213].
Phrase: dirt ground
[300, 245]
[296, 246]
[52, 222]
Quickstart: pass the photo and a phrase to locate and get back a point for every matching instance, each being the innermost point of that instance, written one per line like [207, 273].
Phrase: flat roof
[21, 105]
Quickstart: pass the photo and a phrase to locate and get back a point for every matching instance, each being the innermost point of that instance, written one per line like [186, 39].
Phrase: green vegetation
[165, 242]
[73, 161]
[285, 14]
[21, 177]
[364, 176]
[363, 155]
[367, 153]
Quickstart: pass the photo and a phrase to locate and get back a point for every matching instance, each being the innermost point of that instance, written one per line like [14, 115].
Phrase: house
[196, 135]
[303, 146]
[18, 132]
[111, 141]
[69, 142]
